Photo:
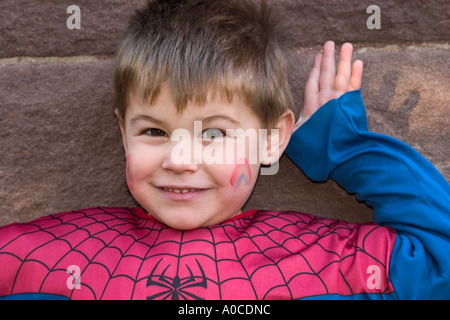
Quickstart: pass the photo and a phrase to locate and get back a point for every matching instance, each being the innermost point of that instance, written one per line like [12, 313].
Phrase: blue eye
[212, 134]
[156, 132]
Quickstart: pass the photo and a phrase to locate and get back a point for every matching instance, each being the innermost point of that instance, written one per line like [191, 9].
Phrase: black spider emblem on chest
[176, 288]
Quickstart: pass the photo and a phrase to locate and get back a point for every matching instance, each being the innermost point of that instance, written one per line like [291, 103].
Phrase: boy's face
[183, 168]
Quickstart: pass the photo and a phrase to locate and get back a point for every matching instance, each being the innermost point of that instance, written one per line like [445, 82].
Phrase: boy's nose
[182, 157]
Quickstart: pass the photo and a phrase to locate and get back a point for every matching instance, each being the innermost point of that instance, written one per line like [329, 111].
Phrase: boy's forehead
[165, 105]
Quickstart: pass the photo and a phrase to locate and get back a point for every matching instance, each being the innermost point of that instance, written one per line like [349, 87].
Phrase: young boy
[194, 81]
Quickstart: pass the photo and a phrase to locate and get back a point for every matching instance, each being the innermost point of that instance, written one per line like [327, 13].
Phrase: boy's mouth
[181, 193]
[180, 190]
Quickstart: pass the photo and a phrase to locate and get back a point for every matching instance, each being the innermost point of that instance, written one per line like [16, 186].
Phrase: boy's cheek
[241, 176]
[139, 165]
[129, 174]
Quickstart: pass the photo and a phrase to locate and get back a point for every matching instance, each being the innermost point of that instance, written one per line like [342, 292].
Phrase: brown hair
[200, 47]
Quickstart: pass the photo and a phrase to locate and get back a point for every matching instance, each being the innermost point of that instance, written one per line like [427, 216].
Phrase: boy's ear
[278, 138]
[122, 130]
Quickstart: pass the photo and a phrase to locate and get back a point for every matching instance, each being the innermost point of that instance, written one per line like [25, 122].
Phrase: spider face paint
[242, 175]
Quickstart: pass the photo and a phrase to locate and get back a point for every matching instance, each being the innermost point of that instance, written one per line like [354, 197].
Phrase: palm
[324, 84]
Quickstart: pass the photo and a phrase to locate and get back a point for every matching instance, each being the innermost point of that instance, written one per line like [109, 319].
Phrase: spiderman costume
[122, 253]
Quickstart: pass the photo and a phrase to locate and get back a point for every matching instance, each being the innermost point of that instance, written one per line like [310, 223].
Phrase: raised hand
[324, 84]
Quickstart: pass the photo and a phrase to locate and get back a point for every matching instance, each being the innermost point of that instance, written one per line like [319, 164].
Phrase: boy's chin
[187, 226]
[184, 223]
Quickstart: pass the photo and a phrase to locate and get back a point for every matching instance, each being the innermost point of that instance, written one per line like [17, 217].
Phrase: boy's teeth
[180, 190]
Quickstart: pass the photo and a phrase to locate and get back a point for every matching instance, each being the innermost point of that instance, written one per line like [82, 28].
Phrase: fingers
[323, 73]
[357, 72]
[328, 67]
[348, 76]
[312, 84]
[344, 72]
[324, 84]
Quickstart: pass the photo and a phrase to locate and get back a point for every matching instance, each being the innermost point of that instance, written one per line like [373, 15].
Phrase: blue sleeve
[405, 191]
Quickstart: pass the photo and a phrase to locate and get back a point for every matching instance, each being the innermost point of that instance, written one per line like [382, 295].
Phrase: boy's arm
[404, 189]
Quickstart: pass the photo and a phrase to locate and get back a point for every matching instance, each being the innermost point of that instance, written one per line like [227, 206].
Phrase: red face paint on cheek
[129, 175]
[241, 175]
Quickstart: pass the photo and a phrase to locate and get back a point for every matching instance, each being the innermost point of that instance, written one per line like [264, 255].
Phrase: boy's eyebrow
[144, 117]
[220, 117]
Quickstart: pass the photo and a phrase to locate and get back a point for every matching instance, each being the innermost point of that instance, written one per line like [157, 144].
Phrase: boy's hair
[197, 48]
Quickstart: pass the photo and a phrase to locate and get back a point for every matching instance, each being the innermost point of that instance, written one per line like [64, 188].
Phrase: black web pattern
[258, 256]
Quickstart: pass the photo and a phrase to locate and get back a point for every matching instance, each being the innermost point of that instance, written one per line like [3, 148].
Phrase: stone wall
[60, 144]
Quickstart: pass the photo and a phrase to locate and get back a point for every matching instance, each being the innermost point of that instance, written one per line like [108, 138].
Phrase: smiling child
[203, 103]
